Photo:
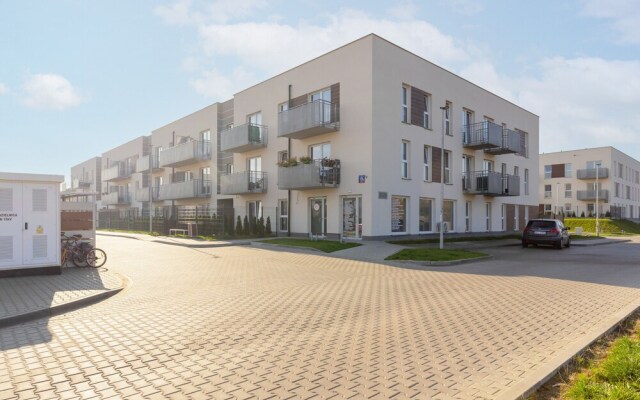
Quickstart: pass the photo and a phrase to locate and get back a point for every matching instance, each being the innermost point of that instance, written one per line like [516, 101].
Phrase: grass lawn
[127, 231]
[452, 240]
[328, 246]
[434, 255]
[585, 237]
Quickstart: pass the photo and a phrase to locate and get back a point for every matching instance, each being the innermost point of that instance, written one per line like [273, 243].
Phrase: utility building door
[10, 224]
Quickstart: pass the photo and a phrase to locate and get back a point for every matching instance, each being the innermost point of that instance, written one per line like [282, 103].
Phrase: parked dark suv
[546, 231]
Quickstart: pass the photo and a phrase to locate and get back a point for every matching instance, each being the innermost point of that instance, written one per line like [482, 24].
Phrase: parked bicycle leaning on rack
[81, 253]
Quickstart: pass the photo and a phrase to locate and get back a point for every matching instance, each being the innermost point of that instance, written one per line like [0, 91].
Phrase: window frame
[405, 157]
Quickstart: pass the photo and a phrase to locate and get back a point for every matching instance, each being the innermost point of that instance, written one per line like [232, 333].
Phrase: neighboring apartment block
[119, 174]
[574, 181]
[350, 144]
[87, 177]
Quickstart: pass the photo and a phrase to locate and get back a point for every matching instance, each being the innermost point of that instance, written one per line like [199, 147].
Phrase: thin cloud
[198, 12]
[50, 91]
[623, 14]
[3, 89]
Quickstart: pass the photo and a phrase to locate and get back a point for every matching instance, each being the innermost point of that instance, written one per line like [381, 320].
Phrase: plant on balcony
[306, 160]
[292, 162]
[329, 162]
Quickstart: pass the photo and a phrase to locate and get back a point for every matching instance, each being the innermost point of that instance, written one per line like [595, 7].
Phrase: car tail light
[554, 231]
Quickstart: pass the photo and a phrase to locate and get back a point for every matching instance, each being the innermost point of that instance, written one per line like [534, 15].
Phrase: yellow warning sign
[39, 230]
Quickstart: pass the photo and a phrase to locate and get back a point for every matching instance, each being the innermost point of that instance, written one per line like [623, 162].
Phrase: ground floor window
[254, 210]
[449, 214]
[426, 215]
[398, 214]
[283, 207]
[467, 216]
[487, 216]
[547, 208]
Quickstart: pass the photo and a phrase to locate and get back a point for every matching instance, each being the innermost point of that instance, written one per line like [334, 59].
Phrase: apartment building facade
[87, 177]
[574, 181]
[350, 144]
[120, 178]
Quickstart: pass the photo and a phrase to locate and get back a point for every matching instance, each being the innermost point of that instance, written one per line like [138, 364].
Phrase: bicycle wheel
[79, 258]
[96, 258]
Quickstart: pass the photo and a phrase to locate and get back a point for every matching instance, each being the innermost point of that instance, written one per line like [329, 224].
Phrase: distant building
[348, 144]
[573, 181]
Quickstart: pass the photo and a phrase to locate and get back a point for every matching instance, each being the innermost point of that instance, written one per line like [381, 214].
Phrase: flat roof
[22, 177]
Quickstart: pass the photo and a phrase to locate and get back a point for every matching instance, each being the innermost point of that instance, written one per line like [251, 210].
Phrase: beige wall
[133, 150]
[88, 171]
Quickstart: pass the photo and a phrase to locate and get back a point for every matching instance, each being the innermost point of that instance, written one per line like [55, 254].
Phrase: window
[398, 214]
[205, 176]
[283, 106]
[467, 121]
[547, 191]
[516, 171]
[525, 135]
[547, 208]
[228, 168]
[487, 165]
[254, 166]
[547, 172]
[447, 119]
[467, 216]
[426, 156]
[620, 169]
[448, 213]
[567, 207]
[426, 122]
[487, 216]
[404, 161]
[283, 156]
[467, 168]
[628, 192]
[205, 136]
[404, 116]
[526, 181]
[284, 215]
[254, 211]
[568, 170]
[426, 215]
[567, 191]
[616, 189]
[446, 163]
[320, 151]
[323, 113]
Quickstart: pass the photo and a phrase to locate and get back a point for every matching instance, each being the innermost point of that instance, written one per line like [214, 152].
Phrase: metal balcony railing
[147, 162]
[309, 119]
[185, 153]
[185, 190]
[590, 195]
[243, 138]
[590, 173]
[510, 143]
[142, 194]
[243, 182]
[116, 198]
[323, 173]
[118, 172]
[490, 183]
[482, 135]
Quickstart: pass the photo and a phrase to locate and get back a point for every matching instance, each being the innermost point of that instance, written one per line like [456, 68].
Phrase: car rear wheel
[558, 244]
[525, 244]
[568, 243]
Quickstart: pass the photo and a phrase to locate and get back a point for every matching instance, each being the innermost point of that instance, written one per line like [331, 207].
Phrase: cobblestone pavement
[28, 294]
[240, 322]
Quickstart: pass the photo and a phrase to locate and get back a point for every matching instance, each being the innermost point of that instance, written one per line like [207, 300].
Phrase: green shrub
[268, 227]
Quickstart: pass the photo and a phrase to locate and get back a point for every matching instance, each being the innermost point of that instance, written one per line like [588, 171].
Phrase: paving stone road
[242, 323]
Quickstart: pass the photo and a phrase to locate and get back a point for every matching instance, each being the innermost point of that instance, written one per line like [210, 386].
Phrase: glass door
[318, 216]
[352, 217]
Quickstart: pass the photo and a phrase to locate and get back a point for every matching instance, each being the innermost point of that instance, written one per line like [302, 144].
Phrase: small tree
[254, 226]
[268, 227]
[238, 226]
[582, 215]
[246, 230]
[607, 214]
[260, 229]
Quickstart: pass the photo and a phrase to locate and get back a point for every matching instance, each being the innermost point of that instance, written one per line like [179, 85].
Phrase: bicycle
[82, 254]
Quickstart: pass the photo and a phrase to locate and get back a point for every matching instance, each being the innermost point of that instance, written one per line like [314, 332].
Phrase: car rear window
[542, 224]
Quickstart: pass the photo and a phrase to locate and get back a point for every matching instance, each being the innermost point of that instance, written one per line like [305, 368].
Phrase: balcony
[482, 135]
[320, 174]
[490, 183]
[118, 172]
[116, 198]
[80, 184]
[245, 182]
[243, 138]
[142, 194]
[510, 143]
[185, 153]
[590, 173]
[309, 119]
[590, 195]
[147, 162]
[185, 190]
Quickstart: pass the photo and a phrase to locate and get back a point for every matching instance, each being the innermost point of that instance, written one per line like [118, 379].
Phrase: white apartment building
[350, 144]
[574, 181]
[87, 177]
[367, 117]
[119, 175]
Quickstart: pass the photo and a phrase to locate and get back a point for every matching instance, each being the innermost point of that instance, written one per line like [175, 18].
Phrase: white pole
[557, 195]
[597, 198]
[444, 110]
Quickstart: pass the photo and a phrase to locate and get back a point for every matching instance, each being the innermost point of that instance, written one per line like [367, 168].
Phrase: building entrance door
[318, 208]
[352, 217]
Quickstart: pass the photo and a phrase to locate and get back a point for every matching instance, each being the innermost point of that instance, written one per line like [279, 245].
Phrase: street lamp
[597, 198]
[444, 110]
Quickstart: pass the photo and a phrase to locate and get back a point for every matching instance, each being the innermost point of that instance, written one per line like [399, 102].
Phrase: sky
[78, 78]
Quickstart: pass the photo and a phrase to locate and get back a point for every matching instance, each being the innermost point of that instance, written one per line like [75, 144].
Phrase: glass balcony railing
[244, 182]
[590, 173]
[243, 138]
[185, 190]
[590, 195]
[323, 173]
[146, 163]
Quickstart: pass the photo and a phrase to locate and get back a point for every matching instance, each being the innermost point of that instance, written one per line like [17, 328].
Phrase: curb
[284, 246]
[58, 309]
[525, 388]
[579, 243]
[202, 246]
[443, 263]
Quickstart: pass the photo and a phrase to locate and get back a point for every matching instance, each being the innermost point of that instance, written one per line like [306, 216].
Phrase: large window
[447, 166]
[487, 216]
[320, 151]
[426, 120]
[426, 215]
[467, 216]
[547, 172]
[404, 113]
[567, 191]
[283, 206]
[449, 214]
[426, 156]
[447, 119]
[526, 181]
[205, 176]
[404, 160]
[398, 214]
[568, 170]
[547, 191]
